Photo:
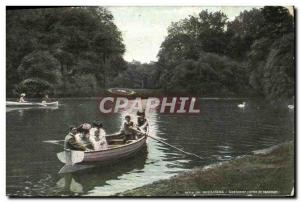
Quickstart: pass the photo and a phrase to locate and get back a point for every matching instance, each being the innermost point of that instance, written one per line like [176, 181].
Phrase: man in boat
[142, 122]
[21, 99]
[127, 129]
[97, 136]
[46, 99]
[70, 141]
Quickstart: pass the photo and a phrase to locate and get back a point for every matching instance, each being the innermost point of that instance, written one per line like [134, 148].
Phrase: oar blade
[61, 157]
[70, 157]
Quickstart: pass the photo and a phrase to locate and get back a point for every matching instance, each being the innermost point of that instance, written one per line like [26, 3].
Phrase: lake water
[220, 132]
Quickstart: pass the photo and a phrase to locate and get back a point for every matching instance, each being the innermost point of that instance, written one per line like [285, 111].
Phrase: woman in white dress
[97, 137]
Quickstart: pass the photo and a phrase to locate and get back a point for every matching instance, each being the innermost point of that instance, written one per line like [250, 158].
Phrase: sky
[144, 28]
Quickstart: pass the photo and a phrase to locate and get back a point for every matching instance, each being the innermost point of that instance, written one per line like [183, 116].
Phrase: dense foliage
[251, 55]
[77, 51]
[137, 75]
[65, 51]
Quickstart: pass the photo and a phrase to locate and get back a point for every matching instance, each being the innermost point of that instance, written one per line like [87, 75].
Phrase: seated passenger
[21, 99]
[97, 137]
[83, 134]
[46, 99]
[70, 141]
[127, 129]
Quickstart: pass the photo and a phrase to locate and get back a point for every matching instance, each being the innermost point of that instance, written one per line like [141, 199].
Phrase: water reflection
[160, 164]
[85, 181]
[221, 132]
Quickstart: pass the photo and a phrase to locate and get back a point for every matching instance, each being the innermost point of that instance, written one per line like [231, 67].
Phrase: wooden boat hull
[114, 154]
[30, 104]
[116, 151]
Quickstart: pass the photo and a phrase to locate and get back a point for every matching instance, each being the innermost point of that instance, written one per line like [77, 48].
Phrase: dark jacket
[72, 144]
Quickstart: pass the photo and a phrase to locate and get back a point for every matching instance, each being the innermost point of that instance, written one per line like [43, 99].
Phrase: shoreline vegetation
[146, 93]
[268, 172]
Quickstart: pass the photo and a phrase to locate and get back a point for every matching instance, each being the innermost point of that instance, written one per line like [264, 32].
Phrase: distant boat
[121, 91]
[30, 104]
[291, 106]
[242, 105]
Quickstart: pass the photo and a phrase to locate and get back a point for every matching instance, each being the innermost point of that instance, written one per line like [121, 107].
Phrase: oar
[187, 153]
[69, 157]
[54, 142]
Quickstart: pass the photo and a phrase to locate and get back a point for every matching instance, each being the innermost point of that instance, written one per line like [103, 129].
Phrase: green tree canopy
[81, 41]
[250, 55]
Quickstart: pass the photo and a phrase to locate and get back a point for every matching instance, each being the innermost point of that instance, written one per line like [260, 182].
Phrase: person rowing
[142, 122]
[127, 130]
[70, 141]
[22, 96]
[45, 99]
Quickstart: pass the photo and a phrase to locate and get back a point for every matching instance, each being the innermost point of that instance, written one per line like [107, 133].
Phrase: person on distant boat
[21, 99]
[142, 122]
[97, 136]
[127, 128]
[71, 142]
[83, 135]
[45, 99]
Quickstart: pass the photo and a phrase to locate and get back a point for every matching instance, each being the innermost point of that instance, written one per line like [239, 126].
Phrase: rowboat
[31, 104]
[121, 91]
[116, 151]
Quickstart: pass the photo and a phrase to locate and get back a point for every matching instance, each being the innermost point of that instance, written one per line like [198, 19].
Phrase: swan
[291, 106]
[242, 105]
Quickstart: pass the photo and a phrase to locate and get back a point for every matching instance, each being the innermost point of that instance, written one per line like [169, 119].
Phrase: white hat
[23, 95]
[86, 126]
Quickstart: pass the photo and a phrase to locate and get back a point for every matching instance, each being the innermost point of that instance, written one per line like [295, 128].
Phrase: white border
[4, 3]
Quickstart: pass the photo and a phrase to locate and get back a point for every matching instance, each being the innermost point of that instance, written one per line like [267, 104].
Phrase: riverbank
[268, 172]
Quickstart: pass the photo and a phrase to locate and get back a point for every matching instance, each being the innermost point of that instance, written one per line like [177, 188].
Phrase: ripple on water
[220, 133]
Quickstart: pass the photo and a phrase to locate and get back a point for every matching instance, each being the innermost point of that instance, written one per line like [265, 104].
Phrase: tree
[243, 31]
[138, 75]
[278, 21]
[188, 37]
[83, 40]
[271, 57]
[39, 73]
[278, 70]
[251, 55]
[209, 75]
